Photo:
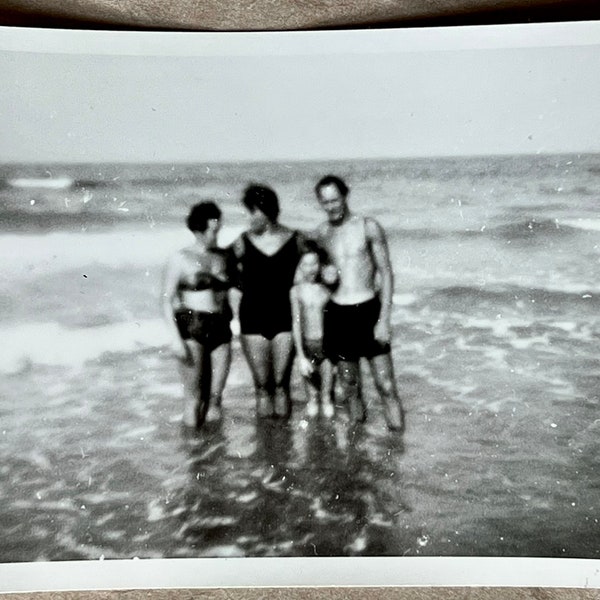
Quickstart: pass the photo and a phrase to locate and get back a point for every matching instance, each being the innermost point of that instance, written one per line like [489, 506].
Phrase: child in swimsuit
[308, 298]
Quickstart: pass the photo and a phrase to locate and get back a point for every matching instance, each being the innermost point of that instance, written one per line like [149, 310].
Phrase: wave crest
[51, 344]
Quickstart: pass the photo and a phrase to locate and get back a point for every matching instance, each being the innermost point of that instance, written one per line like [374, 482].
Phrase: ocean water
[496, 333]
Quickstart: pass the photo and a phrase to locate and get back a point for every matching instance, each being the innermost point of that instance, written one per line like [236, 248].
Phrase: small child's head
[310, 267]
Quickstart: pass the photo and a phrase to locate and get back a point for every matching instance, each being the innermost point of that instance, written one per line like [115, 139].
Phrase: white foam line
[35, 254]
[60, 346]
[588, 224]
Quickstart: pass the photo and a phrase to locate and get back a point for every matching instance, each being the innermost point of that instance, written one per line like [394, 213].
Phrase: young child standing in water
[308, 299]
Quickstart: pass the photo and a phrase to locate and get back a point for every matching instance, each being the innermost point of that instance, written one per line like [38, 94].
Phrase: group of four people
[325, 297]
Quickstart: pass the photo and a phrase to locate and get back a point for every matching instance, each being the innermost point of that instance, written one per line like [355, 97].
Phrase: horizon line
[248, 161]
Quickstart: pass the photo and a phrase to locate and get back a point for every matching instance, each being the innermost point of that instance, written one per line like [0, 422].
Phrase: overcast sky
[73, 107]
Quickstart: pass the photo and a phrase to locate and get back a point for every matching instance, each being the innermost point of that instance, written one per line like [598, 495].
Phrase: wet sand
[96, 474]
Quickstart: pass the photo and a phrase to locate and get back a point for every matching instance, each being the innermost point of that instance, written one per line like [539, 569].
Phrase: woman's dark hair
[339, 183]
[201, 214]
[262, 198]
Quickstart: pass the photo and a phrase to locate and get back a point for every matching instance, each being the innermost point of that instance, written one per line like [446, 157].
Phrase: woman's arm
[306, 367]
[169, 296]
[296, 321]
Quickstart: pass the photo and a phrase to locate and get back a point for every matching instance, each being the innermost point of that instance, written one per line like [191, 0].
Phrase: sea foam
[51, 344]
[34, 254]
[587, 224]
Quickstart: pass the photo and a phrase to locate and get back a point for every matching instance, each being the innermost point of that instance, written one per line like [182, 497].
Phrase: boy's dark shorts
[349, 331]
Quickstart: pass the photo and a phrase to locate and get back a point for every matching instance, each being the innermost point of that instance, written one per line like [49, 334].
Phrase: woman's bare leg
[282, 352]
[191, 374]
[257, 351]
[220, 363]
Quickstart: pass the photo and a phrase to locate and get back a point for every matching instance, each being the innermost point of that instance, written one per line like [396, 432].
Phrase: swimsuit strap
[248, 243]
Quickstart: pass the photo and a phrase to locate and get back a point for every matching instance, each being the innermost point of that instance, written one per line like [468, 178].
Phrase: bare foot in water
[264, 405]
[214, 412]
[394, 415]
[282, 403]
[327, 409]
[312, 406]
[358, 411]
[194, 413]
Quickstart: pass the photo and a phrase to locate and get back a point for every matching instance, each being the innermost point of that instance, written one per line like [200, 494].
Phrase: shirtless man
[357, 317]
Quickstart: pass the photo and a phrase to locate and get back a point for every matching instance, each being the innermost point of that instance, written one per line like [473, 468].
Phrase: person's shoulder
[286, 234]
[238, 246]
[182, 254]
[177, 260]
[373, 228]
[306, 241]
[321, 231]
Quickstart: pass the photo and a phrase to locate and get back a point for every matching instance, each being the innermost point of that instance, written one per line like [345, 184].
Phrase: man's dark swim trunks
[348, 331]
[266, 282]
[209, 329]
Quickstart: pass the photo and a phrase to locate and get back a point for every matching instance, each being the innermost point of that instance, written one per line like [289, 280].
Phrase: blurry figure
[357, 317]
[197, 312]
[268, 254]
[309, 297]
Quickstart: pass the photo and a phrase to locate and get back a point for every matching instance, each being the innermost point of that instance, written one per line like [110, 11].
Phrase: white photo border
[269, 572]
[299, 572]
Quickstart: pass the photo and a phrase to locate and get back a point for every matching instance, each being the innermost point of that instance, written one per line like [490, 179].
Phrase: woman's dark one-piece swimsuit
[266, 282]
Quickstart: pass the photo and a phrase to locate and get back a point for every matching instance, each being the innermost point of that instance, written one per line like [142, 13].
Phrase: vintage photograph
[261, 300]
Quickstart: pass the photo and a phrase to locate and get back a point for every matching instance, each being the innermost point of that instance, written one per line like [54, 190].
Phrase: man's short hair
[201, 214]
[339, 183]
[262, 198]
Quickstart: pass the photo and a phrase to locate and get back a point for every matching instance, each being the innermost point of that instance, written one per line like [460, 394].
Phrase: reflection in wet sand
[481, 470]
[306, 488]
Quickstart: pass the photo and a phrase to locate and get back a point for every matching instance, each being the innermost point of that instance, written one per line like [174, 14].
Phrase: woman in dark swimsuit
[268, 254]
[197, 312]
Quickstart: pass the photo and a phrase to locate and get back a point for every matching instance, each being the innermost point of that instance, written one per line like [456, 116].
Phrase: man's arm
[381, 258]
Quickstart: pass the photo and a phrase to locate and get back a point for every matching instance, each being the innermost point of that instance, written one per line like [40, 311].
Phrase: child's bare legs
[221, 361]
[311, 378]
[319, 390]
[312, 394]
[327, 407]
